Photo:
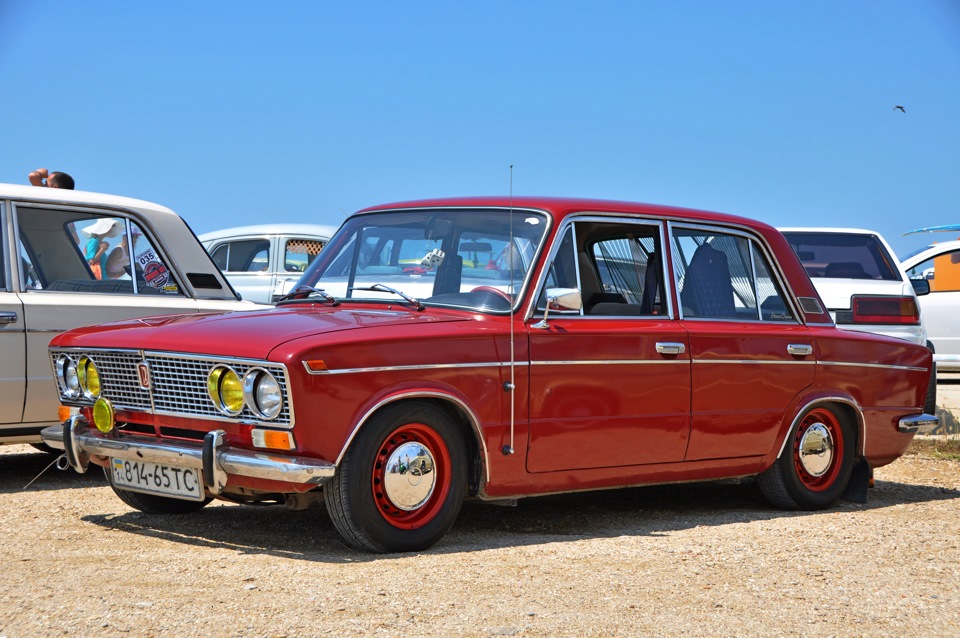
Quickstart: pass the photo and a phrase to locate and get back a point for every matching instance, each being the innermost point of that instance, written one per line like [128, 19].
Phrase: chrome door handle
[8, 317]
[670, 347]
[800, 349]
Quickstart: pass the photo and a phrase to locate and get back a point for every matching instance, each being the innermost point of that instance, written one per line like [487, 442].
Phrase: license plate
[152, 478]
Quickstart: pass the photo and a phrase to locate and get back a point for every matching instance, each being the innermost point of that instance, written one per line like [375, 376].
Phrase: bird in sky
[900, 108]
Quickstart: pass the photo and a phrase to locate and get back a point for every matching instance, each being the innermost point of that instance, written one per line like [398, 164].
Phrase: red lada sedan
[496, 348]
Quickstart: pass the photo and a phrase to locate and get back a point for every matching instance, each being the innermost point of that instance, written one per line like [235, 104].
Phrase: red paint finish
[594, 404]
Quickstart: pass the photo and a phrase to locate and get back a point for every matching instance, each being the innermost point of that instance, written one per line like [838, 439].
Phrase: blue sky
[239, 112]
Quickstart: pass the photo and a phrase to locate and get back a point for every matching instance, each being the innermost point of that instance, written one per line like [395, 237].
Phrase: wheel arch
[848, 408]
[460, 413]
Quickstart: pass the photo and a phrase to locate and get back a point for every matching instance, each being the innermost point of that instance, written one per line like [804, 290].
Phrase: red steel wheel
[411, 476]
[818, 449]
[815, 467]
[402, 482]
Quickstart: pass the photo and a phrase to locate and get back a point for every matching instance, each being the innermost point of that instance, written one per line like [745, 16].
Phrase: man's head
[59, 179]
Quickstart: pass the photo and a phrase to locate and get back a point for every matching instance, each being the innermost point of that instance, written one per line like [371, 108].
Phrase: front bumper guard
[213, 457]
[918, 424]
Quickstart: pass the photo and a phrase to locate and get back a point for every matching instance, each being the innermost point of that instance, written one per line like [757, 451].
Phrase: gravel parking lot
[698, 559]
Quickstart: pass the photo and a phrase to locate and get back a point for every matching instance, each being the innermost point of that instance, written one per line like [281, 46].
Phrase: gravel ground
[698, 559]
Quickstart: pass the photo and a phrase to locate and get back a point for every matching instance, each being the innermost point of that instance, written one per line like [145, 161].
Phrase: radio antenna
[510, 386]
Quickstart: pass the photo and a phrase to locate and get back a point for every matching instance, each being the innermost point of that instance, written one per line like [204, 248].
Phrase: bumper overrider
[213, 457]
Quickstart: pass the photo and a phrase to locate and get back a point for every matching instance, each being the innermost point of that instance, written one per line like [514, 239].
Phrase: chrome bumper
[216, 460]
[918, 424]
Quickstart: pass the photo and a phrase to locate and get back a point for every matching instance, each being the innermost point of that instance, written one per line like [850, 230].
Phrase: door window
[300, 253]
[725, 276]
[82, 251]
[246, 255]
[943, 272]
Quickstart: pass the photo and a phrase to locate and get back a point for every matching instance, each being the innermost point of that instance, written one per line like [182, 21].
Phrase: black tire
[379, 506]
[153, 504]
[814, 469]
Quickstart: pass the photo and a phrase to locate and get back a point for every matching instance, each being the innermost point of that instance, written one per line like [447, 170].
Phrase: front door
[609, 383]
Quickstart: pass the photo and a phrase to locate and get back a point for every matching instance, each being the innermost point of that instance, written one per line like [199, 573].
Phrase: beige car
[72, 258]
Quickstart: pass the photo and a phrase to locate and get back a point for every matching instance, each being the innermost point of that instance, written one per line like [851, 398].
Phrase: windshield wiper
[382, 288]
[302, 292]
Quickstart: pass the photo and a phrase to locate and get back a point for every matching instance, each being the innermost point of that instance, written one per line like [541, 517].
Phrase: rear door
[750, 355]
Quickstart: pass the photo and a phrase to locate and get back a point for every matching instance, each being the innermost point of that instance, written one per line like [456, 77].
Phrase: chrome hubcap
[409, 477]
[816, 449]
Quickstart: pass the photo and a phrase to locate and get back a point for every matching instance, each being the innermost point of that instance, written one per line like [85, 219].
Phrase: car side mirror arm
[559, 299]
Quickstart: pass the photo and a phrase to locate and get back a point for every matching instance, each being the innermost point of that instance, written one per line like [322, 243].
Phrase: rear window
[843, 256]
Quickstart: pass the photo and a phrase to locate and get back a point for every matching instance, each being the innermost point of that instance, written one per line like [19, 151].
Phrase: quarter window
[247, 255]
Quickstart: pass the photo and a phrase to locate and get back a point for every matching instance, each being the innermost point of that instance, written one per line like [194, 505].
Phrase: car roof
[928, 252]
[559, 207]
[66, 196]
[318, 230]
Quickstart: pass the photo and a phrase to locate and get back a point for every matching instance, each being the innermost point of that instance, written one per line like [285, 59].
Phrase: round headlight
[88, 378]
[71, 384]
[226, 390]
[262, 393]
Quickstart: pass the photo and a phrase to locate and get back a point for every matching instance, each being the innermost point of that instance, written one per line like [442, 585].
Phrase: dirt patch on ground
[695, 559]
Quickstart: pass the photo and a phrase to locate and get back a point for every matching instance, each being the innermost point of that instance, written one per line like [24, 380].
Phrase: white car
[939, 266]
[860, 280]
[264, 262]
[71, 258]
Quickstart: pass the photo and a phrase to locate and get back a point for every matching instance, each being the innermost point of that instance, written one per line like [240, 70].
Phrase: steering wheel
[495, 291]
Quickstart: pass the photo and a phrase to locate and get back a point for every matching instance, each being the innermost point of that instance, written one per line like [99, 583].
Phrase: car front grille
[178, 383]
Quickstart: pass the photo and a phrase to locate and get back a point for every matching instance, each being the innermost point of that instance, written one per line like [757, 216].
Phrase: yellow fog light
[272, 439]
[89, 378]
[103, 415]
[226, 390]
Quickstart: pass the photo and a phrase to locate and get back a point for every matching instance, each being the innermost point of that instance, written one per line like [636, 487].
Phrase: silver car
[71, 258]
[264, 262]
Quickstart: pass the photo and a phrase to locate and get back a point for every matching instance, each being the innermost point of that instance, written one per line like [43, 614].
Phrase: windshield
[476, 258]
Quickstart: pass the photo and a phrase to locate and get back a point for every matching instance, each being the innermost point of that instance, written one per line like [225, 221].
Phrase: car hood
[836, 293]
[239, 334]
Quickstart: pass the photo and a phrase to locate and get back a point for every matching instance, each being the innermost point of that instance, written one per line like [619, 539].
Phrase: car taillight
[902, 310]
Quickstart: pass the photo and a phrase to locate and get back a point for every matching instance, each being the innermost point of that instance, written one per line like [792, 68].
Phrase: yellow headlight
[89, 378]
[226, 390]
[103, 415]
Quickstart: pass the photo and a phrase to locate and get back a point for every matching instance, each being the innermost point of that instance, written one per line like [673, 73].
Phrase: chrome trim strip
[474, 423]
[426, 366]
[918, 424]
[237, 462]
[778, 362]
[611, 362]
[849, 364]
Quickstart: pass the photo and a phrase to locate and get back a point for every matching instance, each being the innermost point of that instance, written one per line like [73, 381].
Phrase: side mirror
[560, 299]
[920, 286]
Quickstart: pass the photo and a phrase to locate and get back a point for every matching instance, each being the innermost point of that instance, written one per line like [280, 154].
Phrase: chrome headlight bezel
[262, 393]
[67, 378]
